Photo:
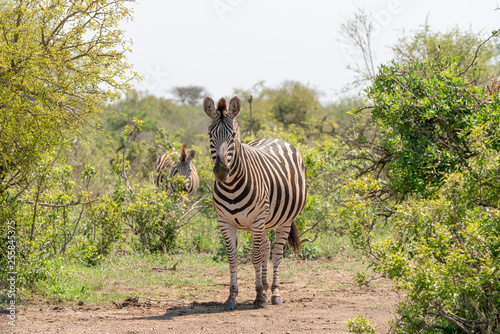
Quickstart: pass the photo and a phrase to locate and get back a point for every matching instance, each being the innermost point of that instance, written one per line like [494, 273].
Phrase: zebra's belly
[243, 219]
[249, 218]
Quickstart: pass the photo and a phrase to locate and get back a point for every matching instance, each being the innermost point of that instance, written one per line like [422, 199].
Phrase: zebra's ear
[209, 107]
[234, 107]
[191, 155]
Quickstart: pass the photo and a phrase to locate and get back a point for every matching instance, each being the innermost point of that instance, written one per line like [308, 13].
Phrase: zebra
[258, 187]
[166, 169]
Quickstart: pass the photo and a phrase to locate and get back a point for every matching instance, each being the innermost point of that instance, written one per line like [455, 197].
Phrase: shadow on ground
[195, 308]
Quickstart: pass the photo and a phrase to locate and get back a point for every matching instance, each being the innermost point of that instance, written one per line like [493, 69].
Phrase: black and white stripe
[258, 187]
[166, 169]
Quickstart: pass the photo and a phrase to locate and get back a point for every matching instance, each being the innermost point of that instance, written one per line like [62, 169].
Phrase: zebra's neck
[237, 171]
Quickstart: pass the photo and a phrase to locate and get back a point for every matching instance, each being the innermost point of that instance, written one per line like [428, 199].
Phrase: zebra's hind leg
[279, 243]
[266, 250]
[229, 232]
[258, 235]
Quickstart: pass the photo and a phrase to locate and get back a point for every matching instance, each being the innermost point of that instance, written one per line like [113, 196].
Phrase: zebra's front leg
[279, 243]
[258, 235]
[230, 235]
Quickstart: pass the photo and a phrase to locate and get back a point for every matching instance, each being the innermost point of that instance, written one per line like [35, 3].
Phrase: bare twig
[314, 225]
[32, 232]
[124, 174]
[477, 52]
[193, 208]
[72, 203]
[63, 250]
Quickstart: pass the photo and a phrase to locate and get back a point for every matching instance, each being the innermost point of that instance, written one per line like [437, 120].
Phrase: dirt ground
[314, 302]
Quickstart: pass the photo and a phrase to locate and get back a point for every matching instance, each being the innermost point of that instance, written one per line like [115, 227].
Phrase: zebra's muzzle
[220, 171]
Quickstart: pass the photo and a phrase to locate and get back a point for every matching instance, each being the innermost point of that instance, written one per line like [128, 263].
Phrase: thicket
[431, 175]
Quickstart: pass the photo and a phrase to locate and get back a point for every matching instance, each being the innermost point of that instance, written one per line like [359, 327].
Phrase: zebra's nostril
[220, 172]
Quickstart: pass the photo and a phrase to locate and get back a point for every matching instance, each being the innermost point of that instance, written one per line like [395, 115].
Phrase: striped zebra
[258, 187]
[166, 169]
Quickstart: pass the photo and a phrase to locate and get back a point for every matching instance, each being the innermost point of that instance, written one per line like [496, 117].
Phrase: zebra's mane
[221, 106]
[183, 152]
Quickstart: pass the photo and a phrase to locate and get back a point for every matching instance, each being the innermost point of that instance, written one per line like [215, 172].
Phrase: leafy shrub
[103, 224]
[444, 253]
[360, 325]
[425, 113]
[434, 180]
[155, 216]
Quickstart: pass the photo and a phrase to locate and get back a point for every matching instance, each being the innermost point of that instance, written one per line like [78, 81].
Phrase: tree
[60, 60]
[424, 43]
[357, 35]
[293, 102]
[189, 94]
[420, 45]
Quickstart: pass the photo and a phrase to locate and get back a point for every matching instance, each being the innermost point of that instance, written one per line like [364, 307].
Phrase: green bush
[425, 113]
[155, 216]
[360, 325]
[438, 191]
[444, 253]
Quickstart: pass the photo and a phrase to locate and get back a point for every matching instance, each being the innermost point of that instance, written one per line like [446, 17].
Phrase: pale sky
[227, 44]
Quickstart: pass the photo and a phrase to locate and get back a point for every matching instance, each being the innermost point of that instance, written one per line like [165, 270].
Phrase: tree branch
[477, 52]
[72, 203]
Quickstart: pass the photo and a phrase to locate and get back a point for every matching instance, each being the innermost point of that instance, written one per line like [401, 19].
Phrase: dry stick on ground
[132, 267]
[163, 300]
[173, 268]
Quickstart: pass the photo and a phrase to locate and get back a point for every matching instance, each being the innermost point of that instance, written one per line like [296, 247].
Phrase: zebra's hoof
[229, 306]
[259, 303]
[276, 300]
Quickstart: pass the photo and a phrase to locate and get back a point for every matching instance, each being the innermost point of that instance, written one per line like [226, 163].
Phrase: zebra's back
[274, 181]
[163, 167]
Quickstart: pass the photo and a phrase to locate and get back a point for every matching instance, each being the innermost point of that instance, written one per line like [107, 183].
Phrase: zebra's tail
[294, 238]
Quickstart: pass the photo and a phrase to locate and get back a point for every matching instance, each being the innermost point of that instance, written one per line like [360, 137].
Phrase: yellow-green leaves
[60, 60]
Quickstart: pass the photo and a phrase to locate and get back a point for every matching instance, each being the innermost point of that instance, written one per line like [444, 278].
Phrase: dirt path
[314, 302]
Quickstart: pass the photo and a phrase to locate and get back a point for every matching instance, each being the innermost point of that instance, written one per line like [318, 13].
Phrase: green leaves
[438, 190]
[293, 102]
[426, 112]
[60, 60]
[360, 325]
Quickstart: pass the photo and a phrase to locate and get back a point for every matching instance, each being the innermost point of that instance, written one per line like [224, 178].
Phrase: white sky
[227, 44]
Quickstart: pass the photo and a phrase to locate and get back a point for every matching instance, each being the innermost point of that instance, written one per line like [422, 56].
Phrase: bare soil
[315, 301]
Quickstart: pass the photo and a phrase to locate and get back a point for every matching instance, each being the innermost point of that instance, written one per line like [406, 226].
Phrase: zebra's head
[183, 167]
[224, 133]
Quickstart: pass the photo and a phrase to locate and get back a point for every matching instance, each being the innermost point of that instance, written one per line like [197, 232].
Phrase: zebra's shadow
[196, 308]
